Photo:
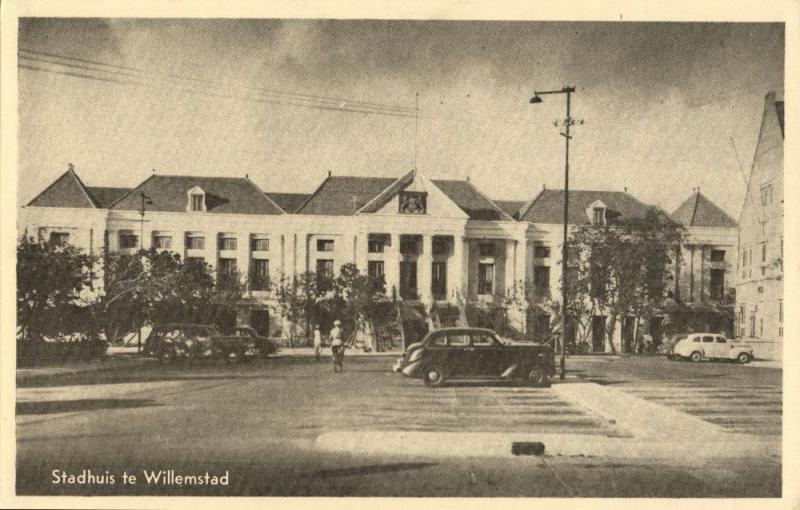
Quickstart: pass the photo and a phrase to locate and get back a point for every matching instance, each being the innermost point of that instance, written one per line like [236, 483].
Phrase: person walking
[337, 346]
[317, 342]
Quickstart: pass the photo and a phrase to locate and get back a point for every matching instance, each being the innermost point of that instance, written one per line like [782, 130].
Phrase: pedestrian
[317, 342]
[337, 346]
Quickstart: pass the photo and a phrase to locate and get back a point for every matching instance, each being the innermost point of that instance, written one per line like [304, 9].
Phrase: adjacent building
[759, 273]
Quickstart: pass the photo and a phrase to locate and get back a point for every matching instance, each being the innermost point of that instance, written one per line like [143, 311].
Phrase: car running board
[510, 371]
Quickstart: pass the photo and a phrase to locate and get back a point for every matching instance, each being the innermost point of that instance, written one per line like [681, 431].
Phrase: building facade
[433, 241]
[759, 274]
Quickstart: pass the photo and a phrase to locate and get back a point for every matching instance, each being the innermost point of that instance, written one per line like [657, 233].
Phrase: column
[211, 249]
[455, 272]
[243, 254]
[361, 250]
[509, 267]
[424, 273]
[520, 256]
[392, 265]
[465, 273]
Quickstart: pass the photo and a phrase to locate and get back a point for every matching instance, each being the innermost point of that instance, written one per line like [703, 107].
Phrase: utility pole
[145, 200]
[567, 123]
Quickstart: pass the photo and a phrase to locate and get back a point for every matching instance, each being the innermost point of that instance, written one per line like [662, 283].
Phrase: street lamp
[536, 99]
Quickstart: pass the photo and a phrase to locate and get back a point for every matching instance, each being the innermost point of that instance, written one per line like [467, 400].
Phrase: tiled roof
[344, 195]
[224, 195]
[699, 211]
[289, 202]
[104, 196]
[548, 206]
[511, 207]
[66, 191]
[472, 201]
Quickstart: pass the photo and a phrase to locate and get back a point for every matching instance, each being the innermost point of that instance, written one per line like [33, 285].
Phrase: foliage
[622, 268]
[152, 287]
[297, 299]
[54, 283]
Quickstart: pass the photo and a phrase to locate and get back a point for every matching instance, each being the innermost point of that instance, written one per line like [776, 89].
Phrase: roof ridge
[262, 194]
[497, 207]
[694, 209]
[527, 207]
[388, 189]
[313, 194]
[94, 202]
[126, 195]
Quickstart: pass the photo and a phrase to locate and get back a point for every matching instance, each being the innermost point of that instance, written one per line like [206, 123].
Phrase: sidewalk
[308, 352]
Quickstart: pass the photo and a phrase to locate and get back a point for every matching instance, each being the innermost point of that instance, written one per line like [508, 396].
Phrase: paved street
[292, 427]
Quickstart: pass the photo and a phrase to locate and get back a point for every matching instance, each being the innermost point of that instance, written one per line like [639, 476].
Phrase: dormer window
[197, 200]
[599, 217]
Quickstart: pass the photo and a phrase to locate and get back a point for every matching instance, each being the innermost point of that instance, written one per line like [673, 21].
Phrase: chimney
[329, 173]
[625, 189]
[70, 167]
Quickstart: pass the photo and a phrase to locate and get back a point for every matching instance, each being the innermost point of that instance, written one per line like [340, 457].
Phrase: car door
[488, 355]
[461, 356]
[721, 347]
[709, 348]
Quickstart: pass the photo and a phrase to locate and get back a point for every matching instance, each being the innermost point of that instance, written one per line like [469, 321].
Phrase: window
[717, 255]
[486, 249]
[440, 340]
[59, 238]
[375, 269]
[541, 279]
[541, 252]
[195, 242]
[227, 243]
[439, 279]
[197, 202]
[194, 260]
[721, 340]
[375, 245]
[259, 274]
[485, 278]
[227, 267]
[708, 339]
[325, 245]
[458, 340]
[717, 287]
[128, 239]
[753, 324]
[763, 252]
[324, 274]
[696, 340]
[482, 339]
[761, 327]
[408, 245]
[440, 246]
[162, 241]
[259, 244]
[599, 216]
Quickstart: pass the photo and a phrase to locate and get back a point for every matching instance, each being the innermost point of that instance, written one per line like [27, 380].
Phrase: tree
[622, 268]
[53, 280]
[360, 299]
[152, 287]
[298, 300]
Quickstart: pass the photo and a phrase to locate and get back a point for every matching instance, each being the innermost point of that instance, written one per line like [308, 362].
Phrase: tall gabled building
[759, 283]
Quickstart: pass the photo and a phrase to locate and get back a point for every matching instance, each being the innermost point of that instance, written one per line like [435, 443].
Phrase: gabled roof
[289, 202]
[699, 211]
[105, 196]
[66, 191]
[344, 195]
[548, 206]
[511, 207]
[224, 195]
[472, 201]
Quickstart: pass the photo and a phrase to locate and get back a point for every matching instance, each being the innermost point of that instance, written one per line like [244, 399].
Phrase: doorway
[627, 333]
[259, 321]
[598, 333]
[408, 280]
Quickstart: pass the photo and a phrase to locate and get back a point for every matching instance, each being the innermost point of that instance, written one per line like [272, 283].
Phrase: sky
[667, 107]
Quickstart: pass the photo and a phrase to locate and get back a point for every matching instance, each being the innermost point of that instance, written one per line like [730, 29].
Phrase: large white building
[759, 275]
[432, 240]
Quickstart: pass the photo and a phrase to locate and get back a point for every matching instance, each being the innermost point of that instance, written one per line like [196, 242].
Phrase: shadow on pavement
[69, 406]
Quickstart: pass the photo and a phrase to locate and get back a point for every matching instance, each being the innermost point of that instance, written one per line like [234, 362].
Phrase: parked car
[170, 342]
[471, 353]
[699, 346]
[255, 343]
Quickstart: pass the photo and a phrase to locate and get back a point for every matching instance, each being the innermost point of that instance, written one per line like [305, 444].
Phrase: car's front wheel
[743, 358]
[167, 354]
[433, 376]
[538, 377]
[696, 356]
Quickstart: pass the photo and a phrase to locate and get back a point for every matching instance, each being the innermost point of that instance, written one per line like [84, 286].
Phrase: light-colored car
[699, 346]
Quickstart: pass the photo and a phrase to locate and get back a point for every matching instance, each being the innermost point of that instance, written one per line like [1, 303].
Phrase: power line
[275, 97]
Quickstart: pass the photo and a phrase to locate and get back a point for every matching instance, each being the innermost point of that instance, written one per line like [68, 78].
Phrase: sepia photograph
[399, 258]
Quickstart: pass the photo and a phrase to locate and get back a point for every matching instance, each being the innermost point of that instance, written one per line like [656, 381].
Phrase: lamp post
[567, 123]
[145, 201]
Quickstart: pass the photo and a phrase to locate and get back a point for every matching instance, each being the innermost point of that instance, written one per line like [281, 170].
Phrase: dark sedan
[475, 353]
